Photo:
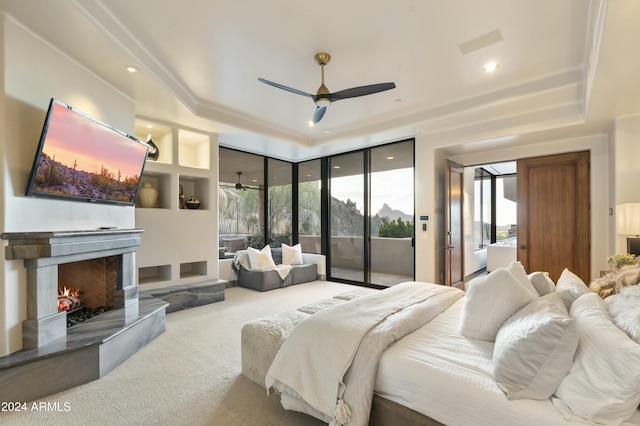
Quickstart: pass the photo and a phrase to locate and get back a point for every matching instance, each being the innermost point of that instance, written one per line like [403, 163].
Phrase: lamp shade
[628, 219]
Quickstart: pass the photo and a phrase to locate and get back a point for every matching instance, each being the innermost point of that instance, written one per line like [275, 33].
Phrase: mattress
[447, 377]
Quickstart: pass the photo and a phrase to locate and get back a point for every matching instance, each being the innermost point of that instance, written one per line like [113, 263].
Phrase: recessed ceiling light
[254, 180]
[149, 126]
[311, 124]
[132, 68]
[390, 157]
[326, 132]
[336, 167]
[308, 175]
[490, 66]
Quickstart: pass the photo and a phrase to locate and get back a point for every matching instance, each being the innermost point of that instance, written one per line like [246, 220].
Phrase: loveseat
[269, 279]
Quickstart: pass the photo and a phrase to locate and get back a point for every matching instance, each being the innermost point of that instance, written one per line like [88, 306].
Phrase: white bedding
[447, 377]
[350, 341]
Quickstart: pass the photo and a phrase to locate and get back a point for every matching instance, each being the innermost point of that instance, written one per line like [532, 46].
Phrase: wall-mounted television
[80, 158]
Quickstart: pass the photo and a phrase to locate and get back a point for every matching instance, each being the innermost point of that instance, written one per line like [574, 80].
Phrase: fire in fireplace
[69, 299]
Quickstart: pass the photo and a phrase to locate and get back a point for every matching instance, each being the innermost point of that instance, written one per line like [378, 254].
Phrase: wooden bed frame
[385, 413]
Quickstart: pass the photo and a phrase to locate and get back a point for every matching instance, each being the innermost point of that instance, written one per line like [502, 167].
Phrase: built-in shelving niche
[161, 182]
[193, 269]
[197, 186]
[193, 149]
[154, 274]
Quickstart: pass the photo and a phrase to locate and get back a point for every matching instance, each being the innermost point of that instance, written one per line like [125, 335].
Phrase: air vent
[481, 42]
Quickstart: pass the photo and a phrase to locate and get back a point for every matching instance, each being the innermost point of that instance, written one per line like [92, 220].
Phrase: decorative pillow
[542, 283]
[517, 270]
[614, 281]
[292, 255]
[534, 349]
[261, 259]
[603, 385]
[489, 301]
[570, 287]
[624, 309]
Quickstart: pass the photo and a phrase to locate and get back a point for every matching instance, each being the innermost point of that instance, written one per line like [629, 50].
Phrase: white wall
[625, 149]
[34, 73]
[429, 174]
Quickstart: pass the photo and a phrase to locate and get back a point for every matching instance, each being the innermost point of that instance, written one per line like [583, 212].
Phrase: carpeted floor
[189, 375]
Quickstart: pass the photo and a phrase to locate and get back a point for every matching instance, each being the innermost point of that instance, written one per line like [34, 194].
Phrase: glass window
[506, 207]
[240, 201]
[482, 208]
[309, 206]
[280, 203]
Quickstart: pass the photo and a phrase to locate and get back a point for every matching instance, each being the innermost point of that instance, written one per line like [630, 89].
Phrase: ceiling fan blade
[317, 116]
[288, 89]
[354, 92]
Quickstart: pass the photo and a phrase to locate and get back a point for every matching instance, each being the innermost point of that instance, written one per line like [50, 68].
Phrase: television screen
[80, 158]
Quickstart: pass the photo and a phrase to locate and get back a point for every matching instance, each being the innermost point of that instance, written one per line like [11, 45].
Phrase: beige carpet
[189, 375]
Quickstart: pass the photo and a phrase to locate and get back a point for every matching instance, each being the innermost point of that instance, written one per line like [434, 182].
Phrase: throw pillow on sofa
[292, 255]
[261, 259]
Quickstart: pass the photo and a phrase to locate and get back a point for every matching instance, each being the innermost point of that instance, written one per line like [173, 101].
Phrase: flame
[68, 298]
[68, 292]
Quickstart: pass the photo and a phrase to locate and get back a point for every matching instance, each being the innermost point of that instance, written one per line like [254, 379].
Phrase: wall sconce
[628, 223]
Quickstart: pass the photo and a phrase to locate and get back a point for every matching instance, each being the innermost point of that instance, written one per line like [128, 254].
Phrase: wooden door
[453, 241]
[554, 225]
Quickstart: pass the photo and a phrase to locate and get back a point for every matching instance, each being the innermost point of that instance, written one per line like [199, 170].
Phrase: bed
[433, 374]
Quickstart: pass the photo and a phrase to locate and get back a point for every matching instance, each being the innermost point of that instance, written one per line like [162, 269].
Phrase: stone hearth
[90, 349]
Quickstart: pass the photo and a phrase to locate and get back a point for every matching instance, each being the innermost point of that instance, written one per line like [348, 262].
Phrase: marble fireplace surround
[94, 347]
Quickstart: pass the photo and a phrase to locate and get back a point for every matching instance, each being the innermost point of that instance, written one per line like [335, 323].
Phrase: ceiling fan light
[323, 102]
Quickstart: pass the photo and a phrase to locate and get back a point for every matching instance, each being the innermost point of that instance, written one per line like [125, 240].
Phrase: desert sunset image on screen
[82, 158]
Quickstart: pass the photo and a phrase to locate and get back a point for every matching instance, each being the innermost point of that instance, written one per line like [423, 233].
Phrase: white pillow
[570, 287]
[603, 385]
[624, 308]
[534, 349]
[542, 283]
[518, 272]
[292, 255]
[261, 259]
[489, 301]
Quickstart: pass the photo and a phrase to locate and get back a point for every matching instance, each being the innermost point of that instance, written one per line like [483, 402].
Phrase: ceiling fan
[239, 186]
[323, 98]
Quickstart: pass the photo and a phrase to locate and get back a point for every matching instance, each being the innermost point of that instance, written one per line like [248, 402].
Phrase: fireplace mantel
[37, 245]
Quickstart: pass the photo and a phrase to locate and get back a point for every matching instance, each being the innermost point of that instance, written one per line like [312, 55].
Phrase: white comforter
[331, 375]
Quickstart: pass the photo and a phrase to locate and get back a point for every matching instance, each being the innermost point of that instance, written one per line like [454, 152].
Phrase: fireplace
[102, 264]
[70, 254]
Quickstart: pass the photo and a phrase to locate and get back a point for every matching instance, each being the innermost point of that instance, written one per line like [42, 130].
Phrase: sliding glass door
[392, 207]
[372, 215]
[347, 216]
